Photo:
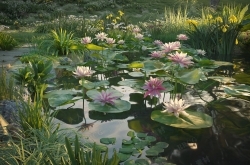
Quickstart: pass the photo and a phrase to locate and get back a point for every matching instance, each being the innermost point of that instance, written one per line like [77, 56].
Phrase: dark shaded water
[227, 142]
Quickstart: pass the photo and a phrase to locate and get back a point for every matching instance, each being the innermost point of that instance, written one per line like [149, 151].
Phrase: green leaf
[123, 157]
[243, 90]
[153, 66]
[94, 93]
[126, 150]
[151, 152]
[120, 57]
[59, 100]
[92, 85]
[189, 76]
[157, 148]
[161, 160]
[130, 162]
[131, 134]
[107, 140]
[132, 83]
[55, 93]
[162, 144]
[222, 79]
[94, 47]
[136, 64]
[126, 141]
[150, 138]
[142, 162]
[136, 74]
[222, 63]
[193, 120]
[119, 106]
[141, 135]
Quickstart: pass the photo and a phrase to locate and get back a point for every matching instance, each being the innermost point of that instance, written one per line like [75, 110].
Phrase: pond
[226, 142]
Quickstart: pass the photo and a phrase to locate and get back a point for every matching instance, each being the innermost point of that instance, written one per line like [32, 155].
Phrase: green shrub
[7, 42]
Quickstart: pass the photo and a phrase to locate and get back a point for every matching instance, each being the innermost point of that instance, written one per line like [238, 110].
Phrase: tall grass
[7, 86]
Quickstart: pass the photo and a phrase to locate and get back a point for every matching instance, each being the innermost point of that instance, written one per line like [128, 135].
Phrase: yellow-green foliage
[7, 42]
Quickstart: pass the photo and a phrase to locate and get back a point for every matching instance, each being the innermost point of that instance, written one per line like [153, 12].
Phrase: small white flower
[82, 71]
[121, 42]
[139, 36]
[175, 106]
[200, 51]
[110, 40]
[101, 36]
[86, 40]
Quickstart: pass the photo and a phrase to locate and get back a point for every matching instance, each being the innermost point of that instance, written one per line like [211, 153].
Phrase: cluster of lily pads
[171, 67]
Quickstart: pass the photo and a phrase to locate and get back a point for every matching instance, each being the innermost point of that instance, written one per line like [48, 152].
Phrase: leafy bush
[7, 42]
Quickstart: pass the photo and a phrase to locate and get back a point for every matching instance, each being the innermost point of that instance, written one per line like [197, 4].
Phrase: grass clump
[7, 42]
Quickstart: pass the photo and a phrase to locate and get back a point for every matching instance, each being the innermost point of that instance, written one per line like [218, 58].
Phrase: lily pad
[222, 79]
[131, 134]
[136, 74]
[152, 152]
[59, 100]
[136, 64]
[119, 106]
[127, 141]
[107, 140]
[123, 157]
[92, 85]
[94, 93]
[141, 135]
[137, 162]
[150, 138]
[189, 76]
[243, 90]
[126, 150]
[153, 66]
[162, 144]
[192, 120]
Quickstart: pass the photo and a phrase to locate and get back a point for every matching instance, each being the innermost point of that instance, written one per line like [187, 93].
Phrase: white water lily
[175, 106]
[82, 71]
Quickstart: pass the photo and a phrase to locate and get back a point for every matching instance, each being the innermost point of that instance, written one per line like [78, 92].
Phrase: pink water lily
[86, 40]
[106, 97]
[168, 47]
[153, 87]
[82, 71]
[182, 37]
[181, 58]
[157, 54]
[175, 106]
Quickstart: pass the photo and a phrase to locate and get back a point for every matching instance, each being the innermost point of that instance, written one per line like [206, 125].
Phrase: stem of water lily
[83, 96]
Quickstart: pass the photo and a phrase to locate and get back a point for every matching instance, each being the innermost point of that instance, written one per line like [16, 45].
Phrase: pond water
[227, 142]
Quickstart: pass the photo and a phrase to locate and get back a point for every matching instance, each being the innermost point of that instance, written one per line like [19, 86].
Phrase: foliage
[7, 86]
[7, 42]
[79, 156]
[35, 147]
[34, 76]
[134, 146]
[20, 9]
[32, 115]
[216, 33]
